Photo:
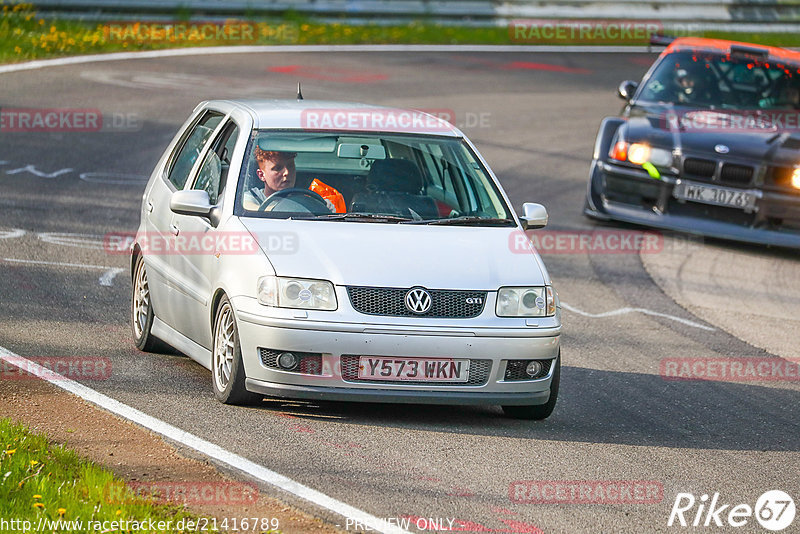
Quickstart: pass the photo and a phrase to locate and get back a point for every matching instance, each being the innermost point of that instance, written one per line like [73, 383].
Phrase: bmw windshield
[367, 177]
[725, 81]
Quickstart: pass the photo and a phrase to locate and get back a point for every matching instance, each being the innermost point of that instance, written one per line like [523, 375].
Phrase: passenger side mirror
[627, 89]
[534, 216]
[194, 202]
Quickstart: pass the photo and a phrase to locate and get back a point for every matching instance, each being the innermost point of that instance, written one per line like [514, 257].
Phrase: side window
[214, 171]
[184, 159]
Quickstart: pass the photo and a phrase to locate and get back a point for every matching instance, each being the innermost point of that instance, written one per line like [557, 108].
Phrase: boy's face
[276, 174]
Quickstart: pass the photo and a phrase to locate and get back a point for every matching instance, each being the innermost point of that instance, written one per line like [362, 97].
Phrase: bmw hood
[751, 136]
[398, 255]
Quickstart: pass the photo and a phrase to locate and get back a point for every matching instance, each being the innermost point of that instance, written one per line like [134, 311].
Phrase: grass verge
[50, 488]
[26, 36]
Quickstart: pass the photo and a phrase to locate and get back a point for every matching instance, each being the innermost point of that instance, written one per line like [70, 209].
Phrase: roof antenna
[299, 92]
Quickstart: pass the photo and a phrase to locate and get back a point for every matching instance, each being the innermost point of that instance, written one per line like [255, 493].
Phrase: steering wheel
[312, 200]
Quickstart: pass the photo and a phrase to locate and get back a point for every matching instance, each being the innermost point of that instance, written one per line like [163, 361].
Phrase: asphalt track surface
[534, 117]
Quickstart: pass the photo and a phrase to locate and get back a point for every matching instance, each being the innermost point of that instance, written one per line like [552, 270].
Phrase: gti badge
[418, 300]
[722, 149]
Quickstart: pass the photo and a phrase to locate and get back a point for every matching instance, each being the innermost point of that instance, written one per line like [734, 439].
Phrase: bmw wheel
[539, 411]
[227, 370]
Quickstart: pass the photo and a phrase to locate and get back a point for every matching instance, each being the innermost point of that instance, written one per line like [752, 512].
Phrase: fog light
[533, 369]
[288, 361]
[796, 178]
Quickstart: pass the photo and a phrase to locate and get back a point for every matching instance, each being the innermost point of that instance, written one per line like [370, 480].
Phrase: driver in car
[277, 171]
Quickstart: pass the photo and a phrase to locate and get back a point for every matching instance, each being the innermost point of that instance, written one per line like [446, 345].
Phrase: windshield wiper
[357, 217]
[454, 221]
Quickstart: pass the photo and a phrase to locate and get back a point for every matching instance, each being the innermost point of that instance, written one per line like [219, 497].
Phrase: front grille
[702, 168]
[515, 369]
[478, 374]
[310, 362]
[708, 211]
[736, 174]
[390, 301]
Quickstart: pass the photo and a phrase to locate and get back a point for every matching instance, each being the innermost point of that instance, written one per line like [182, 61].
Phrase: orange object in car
[329, 193]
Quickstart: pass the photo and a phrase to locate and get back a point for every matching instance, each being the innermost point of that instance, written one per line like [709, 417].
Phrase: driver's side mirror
[627, 89]
[193, 202]
[533, 216]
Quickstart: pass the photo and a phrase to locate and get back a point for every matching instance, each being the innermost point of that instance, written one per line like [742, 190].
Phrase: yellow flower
[62, 511]
[37, 496]
[119, 512]
[33, 462]
[38, 505]
[11, 451]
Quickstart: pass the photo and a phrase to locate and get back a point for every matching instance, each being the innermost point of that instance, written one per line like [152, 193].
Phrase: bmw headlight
[525, 302]
[283, 292]
[641, 153]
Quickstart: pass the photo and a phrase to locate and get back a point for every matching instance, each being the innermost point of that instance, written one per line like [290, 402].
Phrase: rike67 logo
[774, 511]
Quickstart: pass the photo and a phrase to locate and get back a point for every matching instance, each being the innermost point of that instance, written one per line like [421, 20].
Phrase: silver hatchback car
[323, 250]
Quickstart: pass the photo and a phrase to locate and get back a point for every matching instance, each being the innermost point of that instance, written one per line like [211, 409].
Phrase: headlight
[525, 302]
[282, 292]
[796, 178]
[640, 153]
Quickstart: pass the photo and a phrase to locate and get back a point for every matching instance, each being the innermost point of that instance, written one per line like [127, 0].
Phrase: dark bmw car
[708, 143]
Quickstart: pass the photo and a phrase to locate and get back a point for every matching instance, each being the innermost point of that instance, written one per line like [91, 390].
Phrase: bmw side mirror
[627, 89]
[192, 202]
[533, 216]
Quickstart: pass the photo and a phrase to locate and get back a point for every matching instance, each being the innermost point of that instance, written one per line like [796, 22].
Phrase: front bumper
[492, 348]
[629, 195]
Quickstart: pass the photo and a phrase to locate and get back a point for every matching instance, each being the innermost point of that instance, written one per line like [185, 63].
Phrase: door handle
[149, 206]
[174, 229]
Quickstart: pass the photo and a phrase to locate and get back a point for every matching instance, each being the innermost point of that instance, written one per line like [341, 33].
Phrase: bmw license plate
[715, 195]
[413, 369]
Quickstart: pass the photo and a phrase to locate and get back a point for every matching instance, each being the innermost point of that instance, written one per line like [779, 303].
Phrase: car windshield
[367, 177]
[726, 81]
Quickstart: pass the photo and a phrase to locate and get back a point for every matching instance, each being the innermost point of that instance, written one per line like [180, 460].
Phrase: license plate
[413, 369]
[715, 195]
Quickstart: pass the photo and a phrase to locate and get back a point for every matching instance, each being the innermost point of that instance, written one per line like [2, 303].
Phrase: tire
[227, 370]
[142, 311]
[538, 412]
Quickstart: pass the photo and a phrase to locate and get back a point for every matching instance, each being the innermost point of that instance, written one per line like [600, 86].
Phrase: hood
[397, 255]
[748, 135]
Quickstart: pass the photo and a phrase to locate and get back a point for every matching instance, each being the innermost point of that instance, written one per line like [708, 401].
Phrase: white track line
[205, 447]
[12, 234]
[106, 279]
[216, 50]
[645, 311]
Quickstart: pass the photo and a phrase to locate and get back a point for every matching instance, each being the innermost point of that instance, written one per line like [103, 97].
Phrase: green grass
[26, 36]
[39, 482]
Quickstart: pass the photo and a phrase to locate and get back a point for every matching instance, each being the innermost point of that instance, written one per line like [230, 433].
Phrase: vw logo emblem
[418, 300]
[722, 149]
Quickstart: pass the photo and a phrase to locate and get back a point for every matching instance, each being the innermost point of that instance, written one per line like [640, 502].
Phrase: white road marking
[207, 448]
[216, 50]
[11, 234]
[106, 279]
[90, 241]
[113, 178]
[32, 169]
[645, 311]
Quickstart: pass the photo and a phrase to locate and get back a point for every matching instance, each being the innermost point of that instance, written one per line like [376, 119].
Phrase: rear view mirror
[627, 89]
[358, 151]
[534, 216]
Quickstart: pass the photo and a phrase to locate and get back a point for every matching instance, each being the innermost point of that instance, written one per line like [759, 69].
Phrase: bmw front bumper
[630, 195]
